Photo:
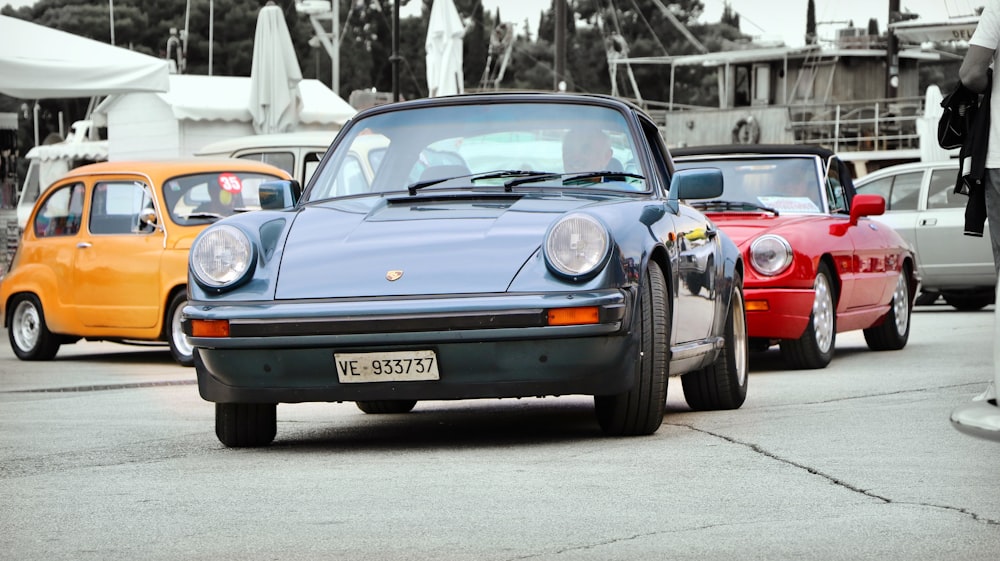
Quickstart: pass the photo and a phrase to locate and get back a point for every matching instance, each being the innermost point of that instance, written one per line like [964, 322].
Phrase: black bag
[959, 110]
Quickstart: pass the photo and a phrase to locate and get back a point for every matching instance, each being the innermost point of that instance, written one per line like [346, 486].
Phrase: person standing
[983, 417]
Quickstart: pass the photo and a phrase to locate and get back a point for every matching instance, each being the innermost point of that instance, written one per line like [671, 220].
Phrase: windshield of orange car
[489, 147]
[789, 185]
[206, 197]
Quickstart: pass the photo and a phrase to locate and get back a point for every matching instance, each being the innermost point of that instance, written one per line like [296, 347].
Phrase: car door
[50, 243]
[870, 279]
[117, 265]
[947, 257]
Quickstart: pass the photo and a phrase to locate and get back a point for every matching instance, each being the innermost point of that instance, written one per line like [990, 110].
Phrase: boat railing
[847, 126]
[881, 124]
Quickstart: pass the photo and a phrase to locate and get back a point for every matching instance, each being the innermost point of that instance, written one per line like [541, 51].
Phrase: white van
[298, 153]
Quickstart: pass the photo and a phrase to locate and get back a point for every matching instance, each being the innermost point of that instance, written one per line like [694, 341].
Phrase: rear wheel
[240, 425]
[814, 349]
[639, 411]
[386, 406]
[723, 384]
[894, 331]
[180, 347]
[30, 338]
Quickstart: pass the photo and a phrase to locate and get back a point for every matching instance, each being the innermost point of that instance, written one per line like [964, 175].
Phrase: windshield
[788, 185]
[207, 197]
[506, 146]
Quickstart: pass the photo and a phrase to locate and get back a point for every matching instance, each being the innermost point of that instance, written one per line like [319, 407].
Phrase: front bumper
[786, 315]
[486, 346]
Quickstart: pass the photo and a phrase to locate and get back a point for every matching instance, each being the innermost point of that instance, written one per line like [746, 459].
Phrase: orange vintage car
[104, 254]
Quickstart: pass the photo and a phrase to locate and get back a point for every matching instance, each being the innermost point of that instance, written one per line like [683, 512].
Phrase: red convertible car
[818, 265]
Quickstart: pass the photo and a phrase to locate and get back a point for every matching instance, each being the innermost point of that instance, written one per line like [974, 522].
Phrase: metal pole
[560, 43]
[111, 13]
[211, 33]
[395, 51]
[335, 58]
[892, 54]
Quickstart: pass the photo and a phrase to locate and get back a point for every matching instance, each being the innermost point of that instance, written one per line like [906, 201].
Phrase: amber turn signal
[756, 306]
[574, 316]
[209, 328]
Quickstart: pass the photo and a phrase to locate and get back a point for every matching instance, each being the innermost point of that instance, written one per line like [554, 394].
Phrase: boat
[859, 96]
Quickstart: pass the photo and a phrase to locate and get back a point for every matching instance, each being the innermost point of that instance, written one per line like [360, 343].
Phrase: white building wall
[142, 127]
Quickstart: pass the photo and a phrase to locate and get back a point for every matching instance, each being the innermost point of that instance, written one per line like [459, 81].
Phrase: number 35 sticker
[229, 182]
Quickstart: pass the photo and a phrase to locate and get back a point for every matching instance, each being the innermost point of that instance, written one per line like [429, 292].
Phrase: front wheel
[30, 338]
[723, 384]
[894, 331]
[180, 347]
[639, 411]
[242, 425]
[814, 349]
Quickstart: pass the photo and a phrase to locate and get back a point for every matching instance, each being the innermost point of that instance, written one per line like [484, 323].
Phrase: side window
[941, 192]
[901, 192]
[116, 207]
[60, 214]
[835, 187]
[309, 164]
[283, 160]
[658, 152]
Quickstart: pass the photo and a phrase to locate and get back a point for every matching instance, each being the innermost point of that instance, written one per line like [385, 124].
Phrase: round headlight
[221, 257]
[577, 245]
[770, 255]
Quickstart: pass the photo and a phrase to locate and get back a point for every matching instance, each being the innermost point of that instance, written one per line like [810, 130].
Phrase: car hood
[434, 245]
[743, 228]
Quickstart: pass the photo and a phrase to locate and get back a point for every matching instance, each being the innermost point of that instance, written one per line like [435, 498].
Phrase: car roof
[176, 167]
[485, 98]
[752, 149]
[279, 140]
[908, 167]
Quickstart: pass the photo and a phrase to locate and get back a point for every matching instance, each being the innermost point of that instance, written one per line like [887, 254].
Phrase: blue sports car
[477, 246]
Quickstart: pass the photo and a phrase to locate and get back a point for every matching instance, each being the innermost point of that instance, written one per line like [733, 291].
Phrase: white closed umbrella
[444, 50]
[275, 100]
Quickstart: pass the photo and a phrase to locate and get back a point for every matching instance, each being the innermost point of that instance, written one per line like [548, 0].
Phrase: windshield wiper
[719, 204]
[596, 174]
[204, 215]
[502, 174]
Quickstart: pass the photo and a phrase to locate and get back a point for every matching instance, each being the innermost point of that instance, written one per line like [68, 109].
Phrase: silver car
[921, 204]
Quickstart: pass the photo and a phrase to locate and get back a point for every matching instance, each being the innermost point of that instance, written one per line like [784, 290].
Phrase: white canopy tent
[38, 62]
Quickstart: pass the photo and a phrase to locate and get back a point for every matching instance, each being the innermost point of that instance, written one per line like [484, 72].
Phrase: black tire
[969, 301]
[814, 349]
[180, 347]
[894, 331]
[243, 425]
[30, 338]
[639, 411]
[723, 384]
[386, 406]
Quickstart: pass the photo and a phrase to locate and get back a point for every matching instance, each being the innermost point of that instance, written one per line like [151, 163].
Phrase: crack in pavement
[837, 481]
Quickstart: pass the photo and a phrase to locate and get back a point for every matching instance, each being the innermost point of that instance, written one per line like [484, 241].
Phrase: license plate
[396, 366]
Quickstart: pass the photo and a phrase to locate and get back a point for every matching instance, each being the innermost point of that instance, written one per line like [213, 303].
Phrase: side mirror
[696, 183]
[866, 205]
[280, 194]
[147, 217]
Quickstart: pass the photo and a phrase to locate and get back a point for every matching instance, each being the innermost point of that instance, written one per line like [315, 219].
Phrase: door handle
[928, 221]
[83, 245]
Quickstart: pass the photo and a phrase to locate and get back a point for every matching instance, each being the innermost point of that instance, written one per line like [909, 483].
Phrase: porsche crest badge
[393, 275]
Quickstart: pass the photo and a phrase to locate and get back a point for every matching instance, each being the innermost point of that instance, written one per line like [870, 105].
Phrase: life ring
[746, 131]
